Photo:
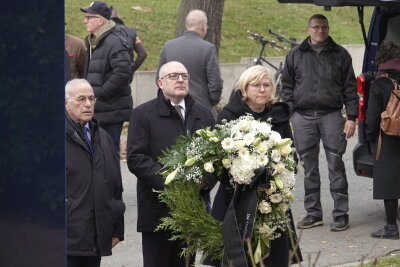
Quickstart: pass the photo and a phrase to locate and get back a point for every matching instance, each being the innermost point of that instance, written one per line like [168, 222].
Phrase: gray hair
[196, 18]
[73, 83]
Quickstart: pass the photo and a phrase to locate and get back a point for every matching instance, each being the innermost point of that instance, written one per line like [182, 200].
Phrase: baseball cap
[99, 8]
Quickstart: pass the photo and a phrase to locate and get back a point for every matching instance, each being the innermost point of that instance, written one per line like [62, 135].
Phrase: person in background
[95, 210]
[386, 177]
[134, 40]
[199, 57]
[154, 127]
[254, 95]
[108, 70]
[317, 81]
[76, 56]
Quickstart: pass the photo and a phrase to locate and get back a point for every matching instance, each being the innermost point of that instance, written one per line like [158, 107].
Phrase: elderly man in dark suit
[154, 127]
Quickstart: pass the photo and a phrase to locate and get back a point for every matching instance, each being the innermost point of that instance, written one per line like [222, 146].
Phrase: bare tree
[214, 10]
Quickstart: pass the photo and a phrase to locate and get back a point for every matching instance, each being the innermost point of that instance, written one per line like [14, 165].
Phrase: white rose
[209, 167]
[227, 163]
[272, 189]
[245, 126]
[275, 155]
[239, 144]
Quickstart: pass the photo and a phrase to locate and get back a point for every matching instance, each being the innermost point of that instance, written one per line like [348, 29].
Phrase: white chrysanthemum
[264, 207]
[239, 144]
[244, 153]
[227, 163]
[275, 198]
[275, 155]
[262, 160]
[248, 138]
[227, 143]
[266, 231]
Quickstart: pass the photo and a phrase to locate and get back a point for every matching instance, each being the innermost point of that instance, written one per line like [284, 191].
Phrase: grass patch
[158, 25]
[393, 261]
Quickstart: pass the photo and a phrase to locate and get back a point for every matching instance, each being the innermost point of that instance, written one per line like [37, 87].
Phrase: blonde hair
[254, 75]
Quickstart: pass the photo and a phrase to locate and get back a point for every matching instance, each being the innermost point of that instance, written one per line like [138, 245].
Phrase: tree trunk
[214, 10]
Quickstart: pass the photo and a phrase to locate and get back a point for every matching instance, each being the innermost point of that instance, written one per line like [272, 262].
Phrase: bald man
[154, 127]
[199, 57]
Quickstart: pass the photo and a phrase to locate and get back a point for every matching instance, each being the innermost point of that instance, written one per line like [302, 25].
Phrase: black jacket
[154, 126]
[321, 83]
[386, 169]
[95, 210]
[108, 70]
[279, 114]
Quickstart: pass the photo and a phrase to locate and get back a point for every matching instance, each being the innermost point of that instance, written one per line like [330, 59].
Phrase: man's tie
[86, 134]
[179, 108]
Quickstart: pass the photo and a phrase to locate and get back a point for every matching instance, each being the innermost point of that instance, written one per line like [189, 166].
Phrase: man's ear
[159, 83]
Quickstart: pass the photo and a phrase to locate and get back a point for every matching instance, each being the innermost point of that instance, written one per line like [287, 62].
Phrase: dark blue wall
[32, 164]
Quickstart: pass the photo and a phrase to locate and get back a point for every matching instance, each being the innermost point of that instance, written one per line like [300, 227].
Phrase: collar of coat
[94, 39]
[331, 45]
[74, 128]
[165, 107]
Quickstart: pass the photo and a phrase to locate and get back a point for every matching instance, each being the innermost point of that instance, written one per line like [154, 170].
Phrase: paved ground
[334, 248]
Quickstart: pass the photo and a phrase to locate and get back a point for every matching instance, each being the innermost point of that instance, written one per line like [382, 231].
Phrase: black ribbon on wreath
[239, 219]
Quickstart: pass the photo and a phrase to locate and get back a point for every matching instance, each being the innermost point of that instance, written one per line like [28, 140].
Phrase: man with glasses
[108, 70]
[154, 127]
[318, 80]
[95, 210]
[199, 57]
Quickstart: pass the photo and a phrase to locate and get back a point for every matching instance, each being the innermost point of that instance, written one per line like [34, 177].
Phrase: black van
[384, 25]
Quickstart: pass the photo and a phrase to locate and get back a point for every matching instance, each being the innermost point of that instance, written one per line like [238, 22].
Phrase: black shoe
[309, 221]
[389, 231]
[340, 223]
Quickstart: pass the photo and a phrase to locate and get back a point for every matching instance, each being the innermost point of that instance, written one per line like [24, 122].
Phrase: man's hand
[349, 128]
[115, 241]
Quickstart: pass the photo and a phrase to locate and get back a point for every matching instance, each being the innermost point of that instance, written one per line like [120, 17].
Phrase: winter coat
[76, 56]
[95, 210]
[279, 114]
[319, 83]
[200, 59]
[155, 126]
[386, 173]
[108, 70]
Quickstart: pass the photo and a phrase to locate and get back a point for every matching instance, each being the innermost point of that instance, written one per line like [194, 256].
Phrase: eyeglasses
[259, 85]
[175, 76]
[317, 28]
[83, 99]
[90, 17]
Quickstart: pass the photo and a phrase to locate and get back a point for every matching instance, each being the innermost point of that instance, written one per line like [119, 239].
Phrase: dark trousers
[391, 210]
[114, 130]
[158, 251]
[83, 261]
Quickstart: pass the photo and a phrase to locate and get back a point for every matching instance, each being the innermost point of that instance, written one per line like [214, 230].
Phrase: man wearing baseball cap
[108, 70]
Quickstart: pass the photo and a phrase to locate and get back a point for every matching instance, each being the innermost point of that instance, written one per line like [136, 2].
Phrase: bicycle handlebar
[258, 37]
[291, 41]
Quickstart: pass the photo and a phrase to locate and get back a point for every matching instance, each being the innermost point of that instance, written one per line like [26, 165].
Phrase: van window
[393, 30]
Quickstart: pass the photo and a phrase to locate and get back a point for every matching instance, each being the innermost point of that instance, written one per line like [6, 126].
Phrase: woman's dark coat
[95, 210]
[154, 127]
[387, 169]
[279, 114]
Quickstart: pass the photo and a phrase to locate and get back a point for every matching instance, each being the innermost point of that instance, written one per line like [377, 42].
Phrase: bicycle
[260, 59]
